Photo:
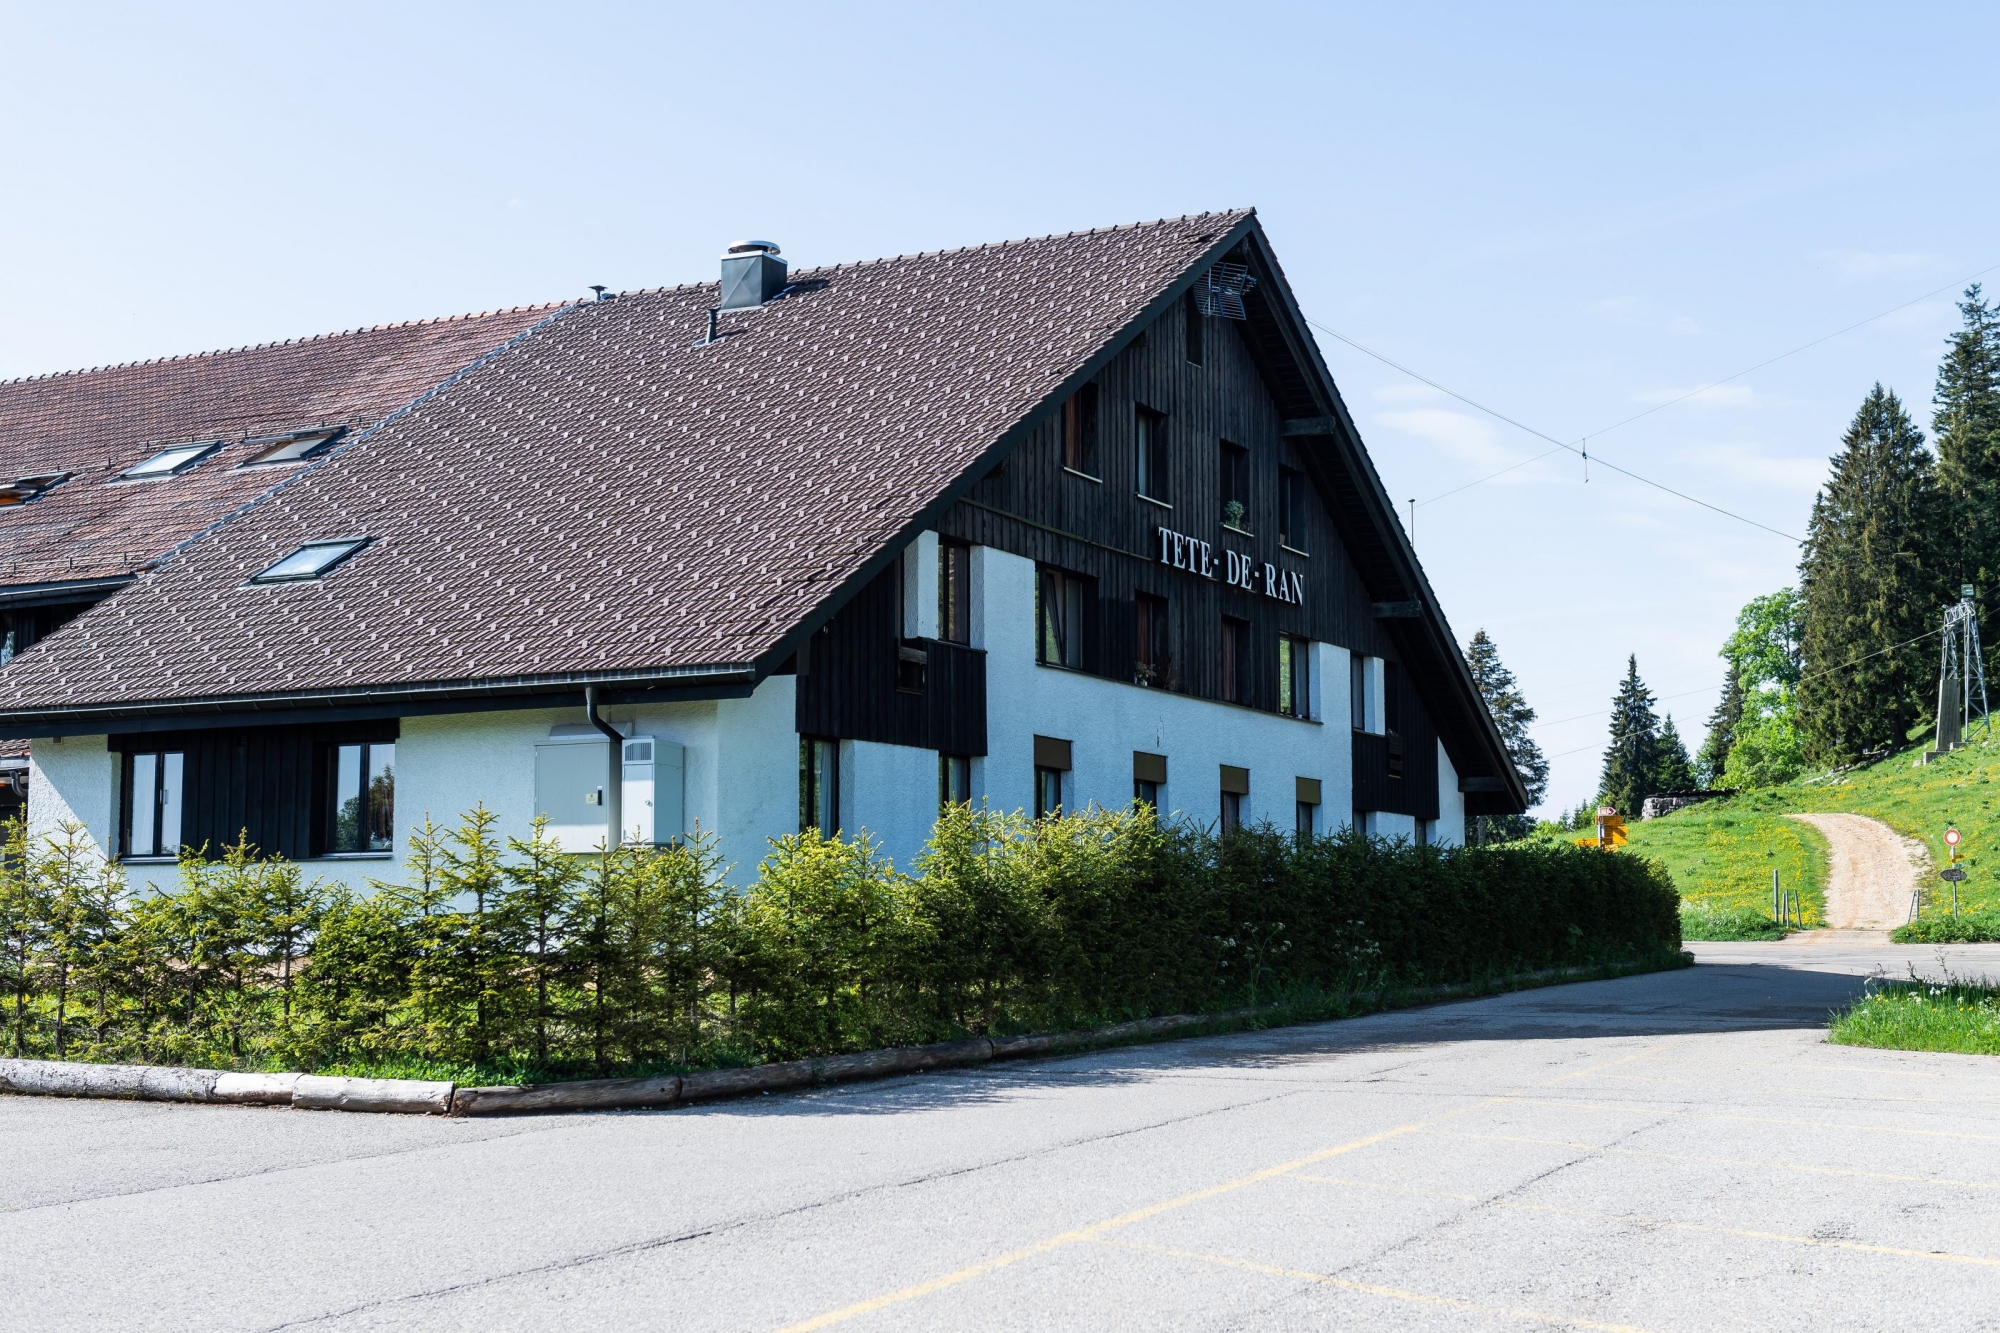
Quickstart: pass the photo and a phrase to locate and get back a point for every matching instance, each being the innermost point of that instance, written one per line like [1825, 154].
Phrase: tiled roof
[605, 497]
[96, 424]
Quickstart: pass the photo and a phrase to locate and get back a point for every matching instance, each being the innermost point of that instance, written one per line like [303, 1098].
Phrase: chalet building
[1045, 524]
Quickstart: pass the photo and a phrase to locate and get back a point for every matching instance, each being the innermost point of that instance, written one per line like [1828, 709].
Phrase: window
[1235, 787]
[363, 783]
[1151, 435]
[954, 780]
[954, 592]
[1423, 832]
[1234, 485]
[1059, 602]
[1191, 318]
[1052, 760]
[819, 785]
[1292, 508]
[1306, 806]
[169, 461]
[1149, 778]
[1359, 689]
[1234, 633]
[911, 663]
[23, 489]
[293, 448]
[1294, 676]
[152, 814]
[1079, 432]
[1152, 664]
[312, 561]
[1048, 792]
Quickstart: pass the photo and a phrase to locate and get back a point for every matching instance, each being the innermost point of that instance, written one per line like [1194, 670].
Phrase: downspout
[614, 786]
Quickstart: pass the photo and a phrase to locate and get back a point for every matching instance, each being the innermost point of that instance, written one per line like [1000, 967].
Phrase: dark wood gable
[1093, 522]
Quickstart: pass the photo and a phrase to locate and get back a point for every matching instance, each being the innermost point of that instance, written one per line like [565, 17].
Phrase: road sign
[1953, 873]
[1951, 837]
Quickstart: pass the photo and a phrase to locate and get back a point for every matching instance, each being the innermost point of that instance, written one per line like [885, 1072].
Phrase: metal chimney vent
[752, 274]
[1220, 291]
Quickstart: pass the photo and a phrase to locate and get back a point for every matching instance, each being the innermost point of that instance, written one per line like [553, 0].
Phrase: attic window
[23, 489]
[292, 448]
[169, 461]
[311, 561]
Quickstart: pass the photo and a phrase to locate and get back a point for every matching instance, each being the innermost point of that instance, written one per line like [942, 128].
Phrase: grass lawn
[1959, 1016]
[1721, 855]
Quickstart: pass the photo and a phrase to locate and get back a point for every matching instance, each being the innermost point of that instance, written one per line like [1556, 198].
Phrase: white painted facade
[741, 756]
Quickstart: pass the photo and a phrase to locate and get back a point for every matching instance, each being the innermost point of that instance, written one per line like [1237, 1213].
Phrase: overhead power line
[1544, 435]
[1810, 675]
[1681, 398]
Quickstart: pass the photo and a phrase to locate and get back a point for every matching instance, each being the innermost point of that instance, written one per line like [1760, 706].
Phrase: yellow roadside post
[1610, 831]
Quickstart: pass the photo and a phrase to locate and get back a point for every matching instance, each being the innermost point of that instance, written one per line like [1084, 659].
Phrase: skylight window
[292, 448]
[311, 561]
[169, 461]
[23, 489]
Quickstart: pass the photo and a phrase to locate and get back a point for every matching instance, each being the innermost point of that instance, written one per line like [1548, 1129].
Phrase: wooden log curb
[162, 1083]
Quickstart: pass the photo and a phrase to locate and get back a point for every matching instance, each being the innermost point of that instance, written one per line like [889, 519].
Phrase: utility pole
[1413, 520]
[1961, 675]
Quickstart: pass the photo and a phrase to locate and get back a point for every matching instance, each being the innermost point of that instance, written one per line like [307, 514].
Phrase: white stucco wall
[1388, 824]
[1451, 804]
[756, 774]
[1106, 721]
[891, 791]
[74, 778]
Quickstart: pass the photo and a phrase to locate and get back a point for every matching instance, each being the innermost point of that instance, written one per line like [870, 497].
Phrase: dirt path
[1870, 874]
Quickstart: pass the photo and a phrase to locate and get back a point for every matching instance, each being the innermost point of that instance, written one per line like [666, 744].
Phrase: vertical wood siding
[849, 686]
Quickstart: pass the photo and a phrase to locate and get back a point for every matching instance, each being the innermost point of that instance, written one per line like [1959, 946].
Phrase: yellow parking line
[1662, 1108]
[1727, 1161]
[1097, 1230]
[1939, 1256]
[1374, 1289]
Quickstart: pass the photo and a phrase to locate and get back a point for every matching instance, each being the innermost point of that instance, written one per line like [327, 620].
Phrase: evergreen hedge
[516, 960]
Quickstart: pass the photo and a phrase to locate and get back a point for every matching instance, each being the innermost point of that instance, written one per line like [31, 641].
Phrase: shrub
[1969, 928]
[524, 962]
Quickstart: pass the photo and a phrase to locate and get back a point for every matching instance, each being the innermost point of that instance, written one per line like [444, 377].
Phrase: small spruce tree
[1674, 771]
[1722, 723]
[1632, 760]
[1513, 716]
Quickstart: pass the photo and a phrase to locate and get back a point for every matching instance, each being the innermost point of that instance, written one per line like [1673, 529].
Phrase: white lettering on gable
[1234, 568]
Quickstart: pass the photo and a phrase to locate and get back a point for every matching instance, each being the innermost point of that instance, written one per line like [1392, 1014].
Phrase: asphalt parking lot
[1680, 1151]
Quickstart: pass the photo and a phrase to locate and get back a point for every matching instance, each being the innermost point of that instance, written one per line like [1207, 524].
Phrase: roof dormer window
[167, 462]
[314, 560]
[23, 489]
[294, 448]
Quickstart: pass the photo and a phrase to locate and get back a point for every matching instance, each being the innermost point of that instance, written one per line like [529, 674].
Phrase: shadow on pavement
[1710, 998]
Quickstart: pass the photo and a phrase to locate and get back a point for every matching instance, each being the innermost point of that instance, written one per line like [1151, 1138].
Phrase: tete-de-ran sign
[1233, 568]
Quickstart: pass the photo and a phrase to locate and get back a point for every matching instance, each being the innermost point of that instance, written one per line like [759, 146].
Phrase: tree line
[1844, 664]
[498, 958]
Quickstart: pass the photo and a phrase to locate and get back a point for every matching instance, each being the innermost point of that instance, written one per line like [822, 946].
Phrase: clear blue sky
[1567, 213]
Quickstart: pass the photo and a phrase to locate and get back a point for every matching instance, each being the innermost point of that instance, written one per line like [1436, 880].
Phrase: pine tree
[1632, 761]
[1870, 578]
[1513, 716]
[1714, 756]
[1674, 771]
[1965, 424]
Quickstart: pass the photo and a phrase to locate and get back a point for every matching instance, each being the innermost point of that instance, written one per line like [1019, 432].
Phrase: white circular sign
[1951, 837]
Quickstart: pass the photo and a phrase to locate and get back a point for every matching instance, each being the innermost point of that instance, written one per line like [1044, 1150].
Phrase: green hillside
[1721, 853]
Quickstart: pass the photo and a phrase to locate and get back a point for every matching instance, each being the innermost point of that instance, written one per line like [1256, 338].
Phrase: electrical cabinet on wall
[653, 792]
[571, 788]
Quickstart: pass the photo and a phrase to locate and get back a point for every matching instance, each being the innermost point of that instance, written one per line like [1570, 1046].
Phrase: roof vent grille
[1220, 291]
[752, 273]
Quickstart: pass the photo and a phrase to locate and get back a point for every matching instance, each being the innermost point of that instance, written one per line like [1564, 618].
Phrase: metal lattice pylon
[1961, 674]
